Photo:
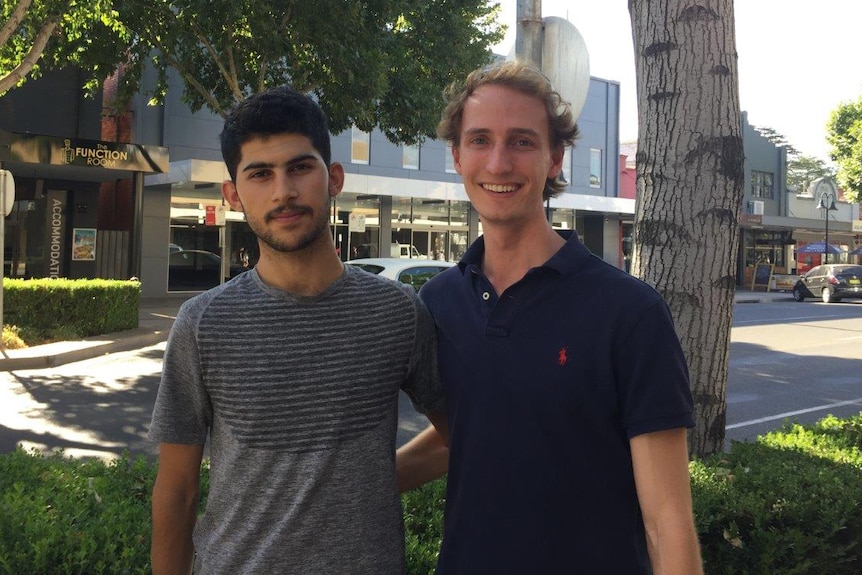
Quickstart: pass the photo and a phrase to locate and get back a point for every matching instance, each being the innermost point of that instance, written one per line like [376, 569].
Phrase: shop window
[410, 157]
[761, 185]
[360, 146]
[595, 168]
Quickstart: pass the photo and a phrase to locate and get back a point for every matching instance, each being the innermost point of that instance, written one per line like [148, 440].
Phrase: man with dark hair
[291, 371]
[566, 388]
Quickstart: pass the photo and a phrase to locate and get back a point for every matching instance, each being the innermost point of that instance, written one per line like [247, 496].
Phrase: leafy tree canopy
[44, 34]
[778, 139]
[802, 170]
[370, 63]
[844, 134]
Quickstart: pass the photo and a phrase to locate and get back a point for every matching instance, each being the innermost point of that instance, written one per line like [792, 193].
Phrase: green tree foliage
[778, 139]
[802, 170]
[37, 35]
[844, 134]
[370, 63]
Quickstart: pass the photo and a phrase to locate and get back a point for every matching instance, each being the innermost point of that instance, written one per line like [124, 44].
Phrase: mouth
[287, 214]
[499, 188]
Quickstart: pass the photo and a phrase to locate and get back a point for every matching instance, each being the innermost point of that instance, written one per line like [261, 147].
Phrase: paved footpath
[156, 317]
[94, 397]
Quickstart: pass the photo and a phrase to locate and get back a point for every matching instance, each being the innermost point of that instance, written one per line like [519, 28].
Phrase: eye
[479, 141]
[300, 168]
[258, 174]
[523, 143]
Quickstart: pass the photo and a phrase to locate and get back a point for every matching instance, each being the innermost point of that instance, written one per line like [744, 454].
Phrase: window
[761, 184]
[359, 146]
[450, 161]
[595, 168]
[566, 173]
[410, 157]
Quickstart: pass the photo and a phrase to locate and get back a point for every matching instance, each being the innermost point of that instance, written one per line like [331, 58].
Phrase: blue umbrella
[857, 252]
[818, 248]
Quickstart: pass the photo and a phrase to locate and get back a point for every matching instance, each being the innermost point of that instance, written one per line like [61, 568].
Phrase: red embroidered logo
[562, 358]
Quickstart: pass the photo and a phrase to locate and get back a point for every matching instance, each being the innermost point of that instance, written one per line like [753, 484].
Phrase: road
[101, 407]
[788, 360]
[793, 361]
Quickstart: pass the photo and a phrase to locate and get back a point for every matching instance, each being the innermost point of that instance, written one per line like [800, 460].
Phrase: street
[793, 361]
[789, 361]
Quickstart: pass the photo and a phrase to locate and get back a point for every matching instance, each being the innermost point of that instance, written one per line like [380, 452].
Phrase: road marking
[792, 413]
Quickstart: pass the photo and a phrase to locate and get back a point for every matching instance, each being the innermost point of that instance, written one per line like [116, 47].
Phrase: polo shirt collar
[566, 261]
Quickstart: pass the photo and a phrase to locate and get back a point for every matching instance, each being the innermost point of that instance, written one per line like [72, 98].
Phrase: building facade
[776, 222]
[77, 180]
[401, 201]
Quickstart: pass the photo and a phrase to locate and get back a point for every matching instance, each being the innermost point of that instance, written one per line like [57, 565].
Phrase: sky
[798, 60]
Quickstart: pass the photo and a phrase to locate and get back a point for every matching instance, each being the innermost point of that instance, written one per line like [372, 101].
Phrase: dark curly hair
[275, 111]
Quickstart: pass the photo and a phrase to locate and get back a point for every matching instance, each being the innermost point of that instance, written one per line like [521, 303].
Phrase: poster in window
[83, 244]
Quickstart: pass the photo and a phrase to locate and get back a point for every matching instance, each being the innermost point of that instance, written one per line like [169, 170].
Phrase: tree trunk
[690, 186]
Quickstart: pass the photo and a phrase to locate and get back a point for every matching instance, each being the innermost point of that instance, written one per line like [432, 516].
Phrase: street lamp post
[827, 192]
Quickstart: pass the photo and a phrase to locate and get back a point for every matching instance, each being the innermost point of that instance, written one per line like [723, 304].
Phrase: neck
[306, 272]
[511, 253]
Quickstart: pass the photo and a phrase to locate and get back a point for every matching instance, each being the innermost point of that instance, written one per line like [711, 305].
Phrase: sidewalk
[156, 316]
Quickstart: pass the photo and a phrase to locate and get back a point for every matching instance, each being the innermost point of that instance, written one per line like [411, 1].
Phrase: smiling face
[283, 186]
[504, 155]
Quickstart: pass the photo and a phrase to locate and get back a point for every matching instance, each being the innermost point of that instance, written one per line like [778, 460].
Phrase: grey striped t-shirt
[300, 400]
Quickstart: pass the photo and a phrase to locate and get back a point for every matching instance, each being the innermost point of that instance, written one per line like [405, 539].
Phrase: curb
[54, 354]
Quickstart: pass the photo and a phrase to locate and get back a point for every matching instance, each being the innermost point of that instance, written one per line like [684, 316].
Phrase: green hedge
[57, 309]
[791, 503]
[788, 504]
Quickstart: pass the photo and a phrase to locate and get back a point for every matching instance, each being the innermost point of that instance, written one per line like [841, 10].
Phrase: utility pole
[529, 35]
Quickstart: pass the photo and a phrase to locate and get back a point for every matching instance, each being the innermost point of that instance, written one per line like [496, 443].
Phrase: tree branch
[228, 74]
[33, 55]
[189, 77]
[14, 21]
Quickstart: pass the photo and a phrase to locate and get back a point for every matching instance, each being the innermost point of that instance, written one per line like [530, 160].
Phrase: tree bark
[690, 186]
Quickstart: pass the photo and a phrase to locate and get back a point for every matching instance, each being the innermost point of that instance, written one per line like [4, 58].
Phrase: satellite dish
[565, 61]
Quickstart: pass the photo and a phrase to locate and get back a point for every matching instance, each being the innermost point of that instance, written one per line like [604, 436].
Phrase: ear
[556, 162]
[456, 156]
[336, 179]
[231, 196]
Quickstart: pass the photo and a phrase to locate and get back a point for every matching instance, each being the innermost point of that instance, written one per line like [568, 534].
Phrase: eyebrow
[259, 165]
[511, 132]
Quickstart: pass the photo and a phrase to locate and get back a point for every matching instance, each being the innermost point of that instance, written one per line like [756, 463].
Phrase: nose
[284, 187]
[499, 159]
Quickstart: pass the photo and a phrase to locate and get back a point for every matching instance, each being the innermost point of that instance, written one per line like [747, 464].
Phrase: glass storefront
[417, 228]
[765, 247]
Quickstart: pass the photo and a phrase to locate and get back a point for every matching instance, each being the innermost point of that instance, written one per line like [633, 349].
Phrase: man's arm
[425, 457]
[660, 462]
[175, 505]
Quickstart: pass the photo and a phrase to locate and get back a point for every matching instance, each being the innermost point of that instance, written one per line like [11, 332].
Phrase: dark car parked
[830, 283]
[196, 270]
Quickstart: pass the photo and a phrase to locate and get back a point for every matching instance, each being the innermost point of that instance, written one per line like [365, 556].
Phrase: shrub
[11, 338]
[788, 504]
[60, 515]
[62, 309]
[423, 526]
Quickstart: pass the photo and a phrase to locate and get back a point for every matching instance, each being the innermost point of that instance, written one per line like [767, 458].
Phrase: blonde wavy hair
[523, 77]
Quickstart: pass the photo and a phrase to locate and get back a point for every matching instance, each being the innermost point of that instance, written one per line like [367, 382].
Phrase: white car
[409, 271]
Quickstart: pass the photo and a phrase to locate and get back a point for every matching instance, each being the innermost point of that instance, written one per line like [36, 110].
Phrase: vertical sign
[56, 217]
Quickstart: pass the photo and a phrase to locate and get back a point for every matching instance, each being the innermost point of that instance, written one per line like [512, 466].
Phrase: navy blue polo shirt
[545, 385]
